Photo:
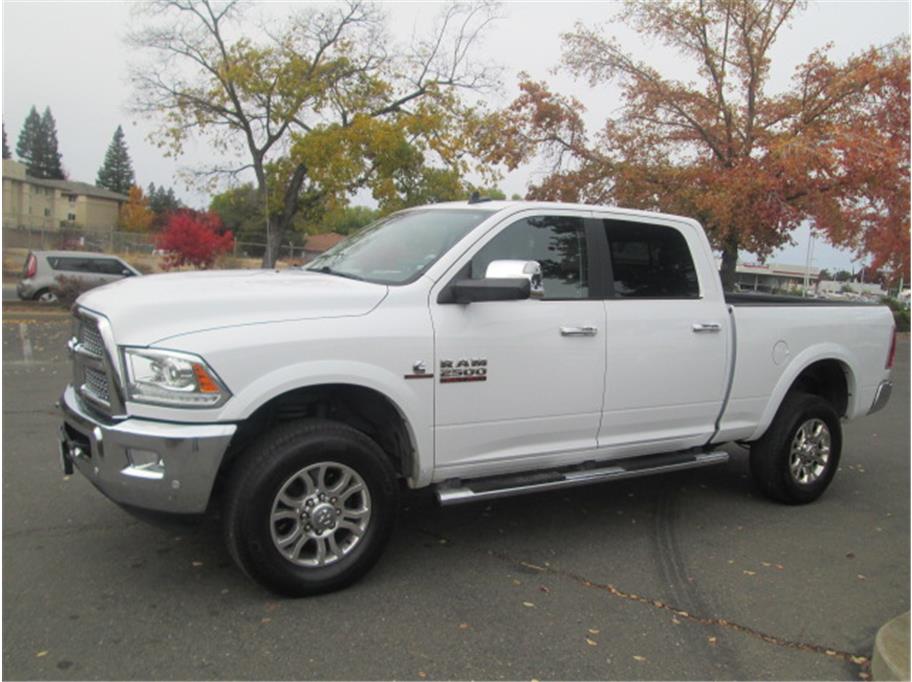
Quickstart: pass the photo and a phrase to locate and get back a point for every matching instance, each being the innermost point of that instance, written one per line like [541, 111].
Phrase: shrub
[68, 289]
[193, 238]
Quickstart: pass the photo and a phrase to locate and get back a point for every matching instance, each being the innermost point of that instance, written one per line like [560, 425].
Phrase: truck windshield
[399, 248]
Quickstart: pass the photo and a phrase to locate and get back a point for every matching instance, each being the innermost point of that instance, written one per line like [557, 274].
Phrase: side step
[518, 484]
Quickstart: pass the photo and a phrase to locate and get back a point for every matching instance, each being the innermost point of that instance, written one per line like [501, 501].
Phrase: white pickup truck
[482, 348]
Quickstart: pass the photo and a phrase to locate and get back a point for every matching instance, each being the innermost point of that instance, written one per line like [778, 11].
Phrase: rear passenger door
[667, 340]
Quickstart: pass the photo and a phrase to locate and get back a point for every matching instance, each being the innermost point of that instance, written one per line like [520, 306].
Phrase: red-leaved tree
[194, 238]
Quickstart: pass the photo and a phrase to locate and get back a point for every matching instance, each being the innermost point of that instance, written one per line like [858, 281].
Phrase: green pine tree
[50, 165]
[116, 173]
[6, 149]
[28, 147]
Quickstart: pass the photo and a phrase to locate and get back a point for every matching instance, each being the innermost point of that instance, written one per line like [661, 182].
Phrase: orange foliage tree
[135, 215]
[751, 166]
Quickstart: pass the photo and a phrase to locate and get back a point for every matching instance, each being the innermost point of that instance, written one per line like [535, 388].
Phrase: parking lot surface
[684, 576]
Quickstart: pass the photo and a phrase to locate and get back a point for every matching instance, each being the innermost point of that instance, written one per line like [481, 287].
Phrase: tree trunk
[278, 223]
[729, 261]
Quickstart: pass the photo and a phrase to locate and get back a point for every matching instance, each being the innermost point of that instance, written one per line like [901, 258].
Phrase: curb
[891, 650]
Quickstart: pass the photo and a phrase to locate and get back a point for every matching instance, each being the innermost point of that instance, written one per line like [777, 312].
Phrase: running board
[506, 486]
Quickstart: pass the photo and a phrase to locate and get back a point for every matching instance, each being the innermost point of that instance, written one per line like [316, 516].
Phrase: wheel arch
[362, 407]
[825, 371]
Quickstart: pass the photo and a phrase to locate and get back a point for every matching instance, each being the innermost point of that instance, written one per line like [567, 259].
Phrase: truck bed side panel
[777, 342]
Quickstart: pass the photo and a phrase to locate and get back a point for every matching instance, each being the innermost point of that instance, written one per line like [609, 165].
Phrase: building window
[47, 212]
[71, 217]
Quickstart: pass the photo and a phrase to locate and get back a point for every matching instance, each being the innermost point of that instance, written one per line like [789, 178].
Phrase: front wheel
[46, 296]
[796, 459]
[310, 507]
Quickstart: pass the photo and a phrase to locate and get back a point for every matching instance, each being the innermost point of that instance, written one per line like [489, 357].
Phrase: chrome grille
[96, 385]
[93, 376]
[90, 337]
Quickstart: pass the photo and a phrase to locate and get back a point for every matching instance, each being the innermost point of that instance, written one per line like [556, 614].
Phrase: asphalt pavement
[684, 576]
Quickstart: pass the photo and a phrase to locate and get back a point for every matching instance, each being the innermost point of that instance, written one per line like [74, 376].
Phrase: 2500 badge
[453, 371]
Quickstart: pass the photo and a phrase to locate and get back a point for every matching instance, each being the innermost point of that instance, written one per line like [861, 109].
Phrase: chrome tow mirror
[518, 269]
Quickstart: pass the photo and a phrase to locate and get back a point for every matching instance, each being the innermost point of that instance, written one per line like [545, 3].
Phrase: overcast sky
[70, 56]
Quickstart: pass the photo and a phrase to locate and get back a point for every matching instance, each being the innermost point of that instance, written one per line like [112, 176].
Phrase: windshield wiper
[329, 271]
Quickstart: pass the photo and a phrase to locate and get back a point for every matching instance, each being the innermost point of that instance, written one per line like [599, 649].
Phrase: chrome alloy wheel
[810, 451]
[320, 514]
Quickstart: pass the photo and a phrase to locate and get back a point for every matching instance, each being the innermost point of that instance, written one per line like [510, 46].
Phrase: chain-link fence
[119, 242]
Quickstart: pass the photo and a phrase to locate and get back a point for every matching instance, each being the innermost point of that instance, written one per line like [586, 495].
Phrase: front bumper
[881, 396]
[151, 465]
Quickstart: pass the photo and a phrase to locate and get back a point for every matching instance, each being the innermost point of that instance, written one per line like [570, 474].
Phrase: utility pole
[807, 264]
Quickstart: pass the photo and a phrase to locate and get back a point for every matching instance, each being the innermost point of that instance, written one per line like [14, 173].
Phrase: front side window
[399, 248]
[650, 261]
[557, 243]
[106, 266]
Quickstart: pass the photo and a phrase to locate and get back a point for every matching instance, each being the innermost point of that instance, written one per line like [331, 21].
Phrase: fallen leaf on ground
[861, 577]
[639, 658]
[712, 640]
[528, 604]
[422, 674]
[265, 620]
[463, 626]
[675, 621]
[593, 631]
[544, 589]
[591, 642]
[197, 564]
[532, 566]
[749, 572]
[516, 582]
[40, 654]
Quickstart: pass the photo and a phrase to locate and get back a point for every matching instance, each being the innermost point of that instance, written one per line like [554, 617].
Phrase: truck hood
[151, 308]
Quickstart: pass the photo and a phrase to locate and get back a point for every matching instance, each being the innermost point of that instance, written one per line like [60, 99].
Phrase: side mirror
[505, 280]
[126, 273]
[503, 289]
[510, 269]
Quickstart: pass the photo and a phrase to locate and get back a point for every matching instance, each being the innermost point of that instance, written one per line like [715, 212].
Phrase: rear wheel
[796, 459]
[310, 507]
[45, 296]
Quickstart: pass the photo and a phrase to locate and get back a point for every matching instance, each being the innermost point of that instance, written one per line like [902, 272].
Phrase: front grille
[90, 337]
[93, 376]
[96, 385]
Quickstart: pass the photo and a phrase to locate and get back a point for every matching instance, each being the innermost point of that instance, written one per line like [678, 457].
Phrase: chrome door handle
[700, 327]
[578, 331]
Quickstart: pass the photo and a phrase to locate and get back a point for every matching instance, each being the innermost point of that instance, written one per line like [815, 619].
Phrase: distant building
[773, 277]
[318, 243]
[31, 203]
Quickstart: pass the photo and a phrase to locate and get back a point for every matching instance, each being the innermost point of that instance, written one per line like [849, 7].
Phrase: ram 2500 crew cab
[484, 349]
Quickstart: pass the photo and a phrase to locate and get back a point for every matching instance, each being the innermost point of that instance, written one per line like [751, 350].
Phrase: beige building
[30, 203]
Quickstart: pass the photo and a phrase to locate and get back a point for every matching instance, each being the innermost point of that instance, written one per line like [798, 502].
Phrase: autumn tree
[135, 215]
[162, 202]
[749, 164]
[318, 107]
[193, 238]
[116, 173]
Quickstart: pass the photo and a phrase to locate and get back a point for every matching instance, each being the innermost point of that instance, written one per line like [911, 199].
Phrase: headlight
[164, 377]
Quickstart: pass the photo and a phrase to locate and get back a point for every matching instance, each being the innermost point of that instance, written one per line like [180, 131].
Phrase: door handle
[578, 331]
[701, 327]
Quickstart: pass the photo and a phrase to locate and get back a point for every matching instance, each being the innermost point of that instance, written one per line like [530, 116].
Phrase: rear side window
[558, 243]
[71, 264]
[650, 261]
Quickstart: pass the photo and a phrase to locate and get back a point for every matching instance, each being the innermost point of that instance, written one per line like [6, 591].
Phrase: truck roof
[499, 205]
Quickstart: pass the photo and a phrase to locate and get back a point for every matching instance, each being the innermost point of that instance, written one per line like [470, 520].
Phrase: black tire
[41, 293]
[261, 474]
[770, 456]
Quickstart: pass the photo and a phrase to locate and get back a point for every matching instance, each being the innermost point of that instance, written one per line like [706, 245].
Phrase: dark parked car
[42, 268]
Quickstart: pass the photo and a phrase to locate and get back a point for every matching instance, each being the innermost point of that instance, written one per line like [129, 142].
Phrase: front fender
[416, 412]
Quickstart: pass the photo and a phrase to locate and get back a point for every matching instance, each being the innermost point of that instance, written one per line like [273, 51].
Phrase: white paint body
[644, 384]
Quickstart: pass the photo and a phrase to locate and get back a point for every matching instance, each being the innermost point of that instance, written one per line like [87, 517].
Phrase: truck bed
[749, 299]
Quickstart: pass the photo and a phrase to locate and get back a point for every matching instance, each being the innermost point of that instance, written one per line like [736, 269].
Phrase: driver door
[534, 370]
